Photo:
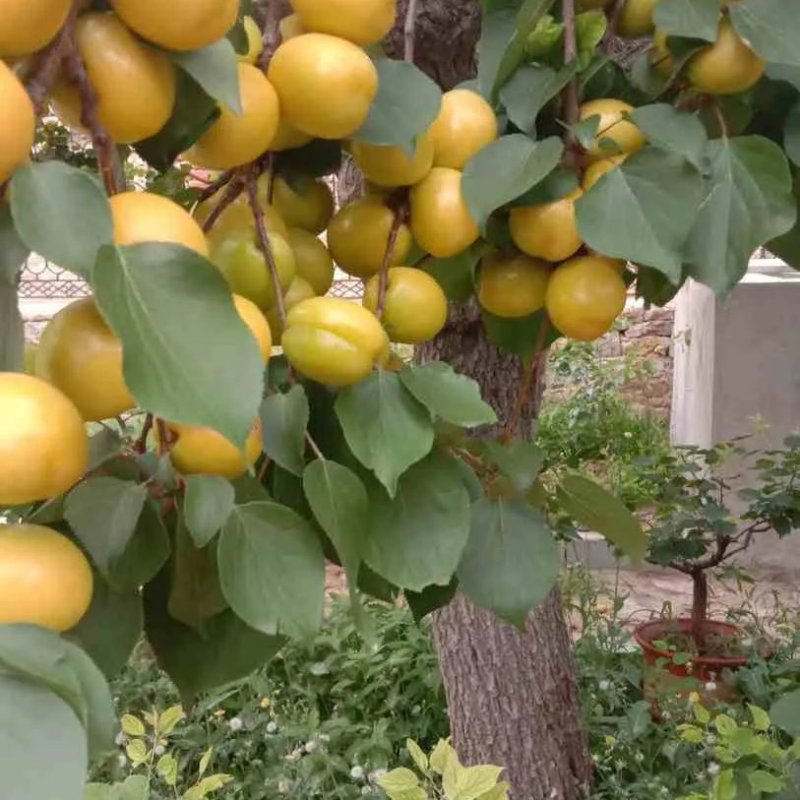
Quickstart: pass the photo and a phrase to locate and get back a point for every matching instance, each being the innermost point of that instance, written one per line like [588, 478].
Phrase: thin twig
[530, 378]
[383, 274]
[263, 469]
[409, 31]
[233, 190]
[271, 34]
[571, 107]
[48, 63]
[104, 148]
[212, 188]
[141, 443]
[164, 437]
[264, 244]
[613, 15]
[314, 446]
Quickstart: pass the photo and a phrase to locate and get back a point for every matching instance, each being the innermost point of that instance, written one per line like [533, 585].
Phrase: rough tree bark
[512, 695]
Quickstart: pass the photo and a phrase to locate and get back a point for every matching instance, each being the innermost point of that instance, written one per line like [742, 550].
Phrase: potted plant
[699, 523]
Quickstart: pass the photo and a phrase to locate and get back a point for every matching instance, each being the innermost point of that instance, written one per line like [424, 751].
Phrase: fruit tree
[188, 446]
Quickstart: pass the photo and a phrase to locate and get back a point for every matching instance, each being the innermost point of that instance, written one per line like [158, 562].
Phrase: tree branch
[48, 63]
[141, 443]
[251, 183]
[104, 148]
[571, 108]
[233, 191]
[383, 273]
[409, 31]
[212, 188]
[271, 33]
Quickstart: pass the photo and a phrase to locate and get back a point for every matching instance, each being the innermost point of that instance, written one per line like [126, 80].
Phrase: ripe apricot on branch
[203, 451]
[512, 287]
[147, 217]
[309, 205]
[179, 24]
[312, 260]
[585, 296]
[80, 355]
[728, 66]
[236, 139]
[333, 341]
[358, 236]
[257, 324]
[465, 125]
[326, 85]
[547, 230]
[636, 18]
[392, 166]
[45, 579]
[298, 291]
[362, 22]
[415, 309]
[239, 258]
[613, 128]
[601, 167]
[115, 58]
[440, 220]
[28, 25]
[43, 444]
[19, 123]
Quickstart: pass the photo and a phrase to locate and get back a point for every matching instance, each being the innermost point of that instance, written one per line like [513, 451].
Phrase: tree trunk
[512, 695]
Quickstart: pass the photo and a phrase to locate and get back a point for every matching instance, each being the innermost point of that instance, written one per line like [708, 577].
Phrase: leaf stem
[314, 446]
[251, 183]
[723, 123]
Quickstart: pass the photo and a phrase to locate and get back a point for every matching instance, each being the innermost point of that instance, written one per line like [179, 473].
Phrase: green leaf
[791, 134]
[195, 595]
[639, 718]
[506, 169]
[454, 398]
[61, 213]
[147, 552]
[406, 105]
[384, 426]
[207, 504]
[417, 755]
[762, 781]
[749, 202]
[590, 27]
[456, 275]
[517, 335]
[693, 19]
[402, 784]
[785, 713]
[724, 787]
[671, 129]
[318, 157]
[227, 651]
[761, 720]
[12, 329]
[416, 538]
[134, 787]
[520, 461]
[103, 513]
[529, 90]
[101, 719]
[643, 210]
[604, 513]
[430, 599]
[654, 287]
[194, 113]
[103, 446]
[285, 420]
[188, 357]
[13, 250]
[504, 35]
[469, 783]
[511, 561]
[215, 70]
[43, 750]
[272, 570]
[111, 627]
[339, 502]
[770, 27]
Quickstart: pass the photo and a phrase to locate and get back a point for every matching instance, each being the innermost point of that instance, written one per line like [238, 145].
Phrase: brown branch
[264, 244]
[141, 443]
[233, 190]
[612, 15]
[212, 188]
[164, 437]
[48, 63]
[383, 274]
[104, 148]
[271, 33]
[409, 31]
[530, 378]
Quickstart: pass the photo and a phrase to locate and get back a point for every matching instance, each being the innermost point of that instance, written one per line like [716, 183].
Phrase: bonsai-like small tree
[702, 519]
